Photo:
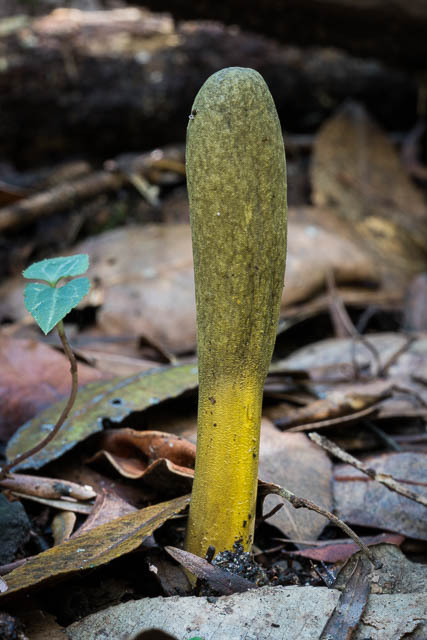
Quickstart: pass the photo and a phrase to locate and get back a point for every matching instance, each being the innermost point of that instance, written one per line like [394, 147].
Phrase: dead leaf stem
[384, 479]
[74, 388]
[299, 503]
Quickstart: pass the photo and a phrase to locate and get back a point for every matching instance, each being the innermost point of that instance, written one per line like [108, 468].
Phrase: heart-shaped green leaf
[48, 305]
[53, 269]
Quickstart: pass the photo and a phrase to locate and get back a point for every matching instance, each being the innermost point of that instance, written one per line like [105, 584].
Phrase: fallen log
[101, 82]
[391, 31]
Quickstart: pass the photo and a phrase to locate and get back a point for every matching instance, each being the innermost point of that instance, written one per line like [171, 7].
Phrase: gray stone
[14, 528]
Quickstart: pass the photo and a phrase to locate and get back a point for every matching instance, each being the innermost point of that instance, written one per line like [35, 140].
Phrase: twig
[384, 437]
[384, 479]
[74, 388]
[399, 389]
[331, 422]
[299, 503]
[338, 308]
[395, 356]
[58, 198]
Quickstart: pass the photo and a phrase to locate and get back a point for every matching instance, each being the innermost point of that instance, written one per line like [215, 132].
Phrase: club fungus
[236, 175]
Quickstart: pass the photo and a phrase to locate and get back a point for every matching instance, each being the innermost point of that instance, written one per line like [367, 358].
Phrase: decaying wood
[125, 79]
[58, 198]
[137, 169]
[393, 31]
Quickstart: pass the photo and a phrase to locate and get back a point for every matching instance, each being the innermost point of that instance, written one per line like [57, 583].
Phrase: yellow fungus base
[222, 509]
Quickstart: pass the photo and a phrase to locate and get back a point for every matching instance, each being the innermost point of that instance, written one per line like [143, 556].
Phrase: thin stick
[386, 480]
[74, 388]
[299, 503]
[396, 355]
[342, 315]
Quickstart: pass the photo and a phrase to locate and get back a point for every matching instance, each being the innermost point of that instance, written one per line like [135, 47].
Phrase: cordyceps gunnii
[236, 174]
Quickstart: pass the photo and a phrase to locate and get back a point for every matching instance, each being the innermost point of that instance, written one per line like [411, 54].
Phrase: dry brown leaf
[350, 607]
[221, 581]
[340, 550]
[32, 377]
[292, 461]
[317, 245]
[362, 501]
[357, 171]
[94, 548]
[108, 506]
[132, 452]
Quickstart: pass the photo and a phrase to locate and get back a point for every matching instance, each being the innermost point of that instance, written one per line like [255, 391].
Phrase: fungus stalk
[236, 176]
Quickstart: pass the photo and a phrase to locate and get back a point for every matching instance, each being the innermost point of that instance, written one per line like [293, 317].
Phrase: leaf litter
[339, 385]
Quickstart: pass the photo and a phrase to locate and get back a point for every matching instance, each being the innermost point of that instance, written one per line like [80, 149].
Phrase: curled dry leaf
[132, 453]
[94, 548]
[362, 501]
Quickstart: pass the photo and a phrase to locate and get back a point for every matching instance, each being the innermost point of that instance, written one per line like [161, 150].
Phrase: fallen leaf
[114, 400]
[351, 605]
[318, 243]
[277, 613]
[122, 365]
[292, 461]
[132, 453]
[94, 548]
[61, 505]
[340, 550]
[108, 506]
[32, 377]
[168, 574]
[362, 501]
[354, 165]
[221, 581]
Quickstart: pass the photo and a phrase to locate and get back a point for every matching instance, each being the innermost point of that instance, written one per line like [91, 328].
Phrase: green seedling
[236, 177]
[49, 302]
